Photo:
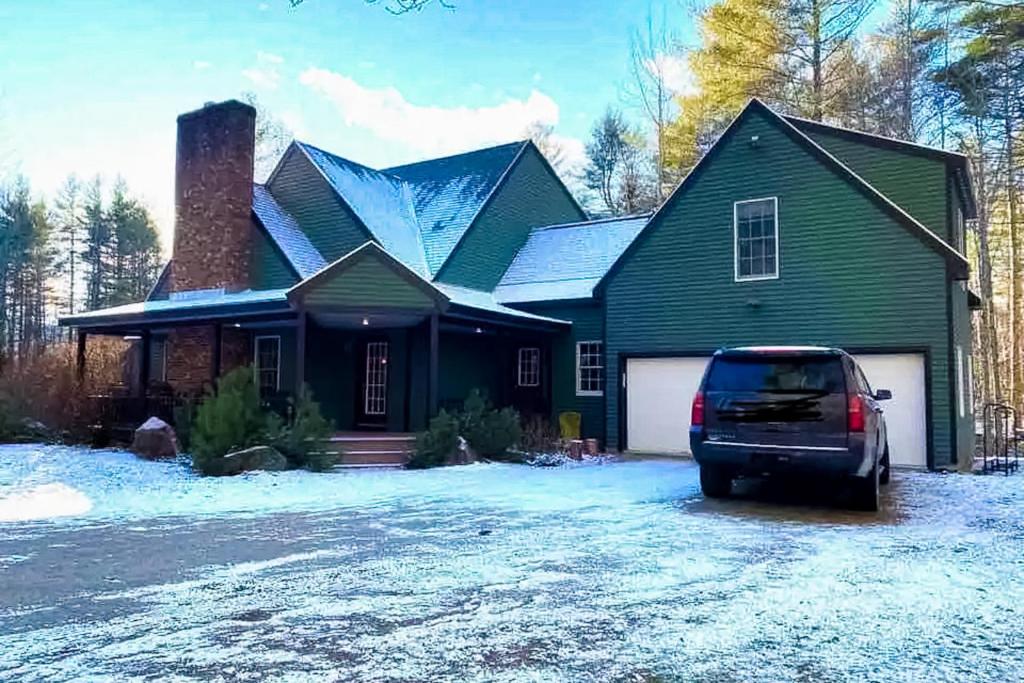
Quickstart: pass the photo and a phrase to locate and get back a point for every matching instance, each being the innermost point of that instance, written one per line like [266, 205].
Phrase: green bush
[434, 446]
[228, 420]
[490, 433]
[302, 441]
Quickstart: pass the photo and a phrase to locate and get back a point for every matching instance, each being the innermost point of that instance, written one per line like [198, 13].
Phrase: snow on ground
[614, 572]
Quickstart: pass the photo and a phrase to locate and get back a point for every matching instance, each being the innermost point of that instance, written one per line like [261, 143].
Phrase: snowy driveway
[617, 572]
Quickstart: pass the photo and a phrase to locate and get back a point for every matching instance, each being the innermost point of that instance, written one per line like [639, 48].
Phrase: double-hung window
[268, 364]
[756, 239]
[589, 368]
[528, 374]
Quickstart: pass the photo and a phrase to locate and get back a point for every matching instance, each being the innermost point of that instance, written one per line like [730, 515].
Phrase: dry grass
[45, 386]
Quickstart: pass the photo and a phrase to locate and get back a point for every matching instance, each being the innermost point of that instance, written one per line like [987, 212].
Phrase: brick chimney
[213, 197]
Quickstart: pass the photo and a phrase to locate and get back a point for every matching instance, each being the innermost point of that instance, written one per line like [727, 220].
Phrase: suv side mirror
[882, 394]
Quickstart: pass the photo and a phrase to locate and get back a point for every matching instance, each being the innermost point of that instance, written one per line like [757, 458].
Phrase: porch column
[147, 347]
[300, 354]
[215, 361]
[432, 391]
[80, 360]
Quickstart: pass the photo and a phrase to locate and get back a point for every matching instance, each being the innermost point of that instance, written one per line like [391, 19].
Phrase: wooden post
[215, 361]
[147, 348]
[300, 354]
[80, 361]
[432, 392]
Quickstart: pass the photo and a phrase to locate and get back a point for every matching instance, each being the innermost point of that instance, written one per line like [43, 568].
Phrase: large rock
[155, 439]
[263, 458]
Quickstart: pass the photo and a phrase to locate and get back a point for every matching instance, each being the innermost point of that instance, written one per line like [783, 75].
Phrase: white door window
[267, 350]
[375, 394]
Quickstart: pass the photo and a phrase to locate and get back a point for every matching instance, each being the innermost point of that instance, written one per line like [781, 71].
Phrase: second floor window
[756, 235]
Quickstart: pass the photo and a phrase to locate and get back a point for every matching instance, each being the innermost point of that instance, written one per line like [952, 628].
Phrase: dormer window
[756, 239]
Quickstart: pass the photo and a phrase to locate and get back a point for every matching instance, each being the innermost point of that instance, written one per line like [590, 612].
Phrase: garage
[659, 392]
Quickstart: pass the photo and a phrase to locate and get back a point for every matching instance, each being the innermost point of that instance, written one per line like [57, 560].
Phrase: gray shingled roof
[382, 202]
[567, 261]
[449, 192]
[286, 233]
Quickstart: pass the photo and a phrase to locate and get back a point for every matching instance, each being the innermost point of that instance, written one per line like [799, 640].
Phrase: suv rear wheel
[865, 490]
[883, 477]
[715, 482]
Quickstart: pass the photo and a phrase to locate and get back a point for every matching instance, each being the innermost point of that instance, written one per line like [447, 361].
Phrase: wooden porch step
[375, 459]
[362, 449]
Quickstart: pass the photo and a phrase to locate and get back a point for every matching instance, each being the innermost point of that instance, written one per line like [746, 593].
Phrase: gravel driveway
[115, 569]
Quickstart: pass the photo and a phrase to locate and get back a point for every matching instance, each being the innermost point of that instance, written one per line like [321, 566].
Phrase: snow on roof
[449, 192]
[485, 301]
[286, 233]
[182, 302]
[382, 202]
[567, 261]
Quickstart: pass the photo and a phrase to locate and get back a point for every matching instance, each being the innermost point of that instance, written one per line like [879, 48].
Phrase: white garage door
[905, 415]
[659, 394]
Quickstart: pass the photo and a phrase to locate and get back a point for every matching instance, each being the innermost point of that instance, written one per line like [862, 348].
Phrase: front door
[372, 400]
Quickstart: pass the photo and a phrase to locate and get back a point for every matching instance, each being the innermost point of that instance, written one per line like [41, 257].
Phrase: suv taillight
[697, 410]
[855, 413]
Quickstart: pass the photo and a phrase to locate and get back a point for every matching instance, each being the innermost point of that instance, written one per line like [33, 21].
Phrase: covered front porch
[381, 348]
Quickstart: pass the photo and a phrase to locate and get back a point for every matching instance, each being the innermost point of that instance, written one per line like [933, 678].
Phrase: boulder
[264, 458]
[34, 430]
[155, 439]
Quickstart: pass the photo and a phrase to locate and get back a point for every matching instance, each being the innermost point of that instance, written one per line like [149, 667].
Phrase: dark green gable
[531, 195]
[914, 181]
[304, 193]
[268, 267]
[851, 275]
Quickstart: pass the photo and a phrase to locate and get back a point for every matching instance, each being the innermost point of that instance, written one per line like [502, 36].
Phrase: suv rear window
[777, 374]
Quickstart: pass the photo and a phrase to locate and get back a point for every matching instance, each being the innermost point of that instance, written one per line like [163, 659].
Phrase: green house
[394, 292]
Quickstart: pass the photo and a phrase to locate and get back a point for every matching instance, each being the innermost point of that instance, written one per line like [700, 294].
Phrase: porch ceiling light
[479, 331]
[366, 321]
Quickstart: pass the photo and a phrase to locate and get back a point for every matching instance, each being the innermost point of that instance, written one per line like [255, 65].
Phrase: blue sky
[94, 87]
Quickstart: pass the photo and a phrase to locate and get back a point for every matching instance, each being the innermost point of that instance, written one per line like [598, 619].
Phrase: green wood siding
[850, 275]
[467, 362]
[531, 195]
[368, 283]
[269, 270]
[303, 192]
[914, 182]
[587, 325]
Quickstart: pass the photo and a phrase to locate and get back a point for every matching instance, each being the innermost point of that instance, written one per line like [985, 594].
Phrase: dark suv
[789, 410]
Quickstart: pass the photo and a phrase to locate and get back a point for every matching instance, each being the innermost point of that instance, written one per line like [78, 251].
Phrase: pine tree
[69, 222]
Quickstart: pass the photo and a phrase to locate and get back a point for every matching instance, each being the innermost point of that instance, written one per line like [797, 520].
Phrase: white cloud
[429, 129]
[265, 74]
[675, 70]
[201, 65]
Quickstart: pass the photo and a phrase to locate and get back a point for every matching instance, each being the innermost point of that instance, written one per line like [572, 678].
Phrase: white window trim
[519, 366]
[736, 241]
[579, 377]
[960, 381]
[256, 359]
